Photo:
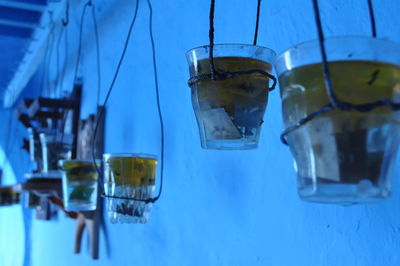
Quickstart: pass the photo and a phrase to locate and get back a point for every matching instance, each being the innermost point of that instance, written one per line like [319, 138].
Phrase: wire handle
[101, 114]
[214, 75]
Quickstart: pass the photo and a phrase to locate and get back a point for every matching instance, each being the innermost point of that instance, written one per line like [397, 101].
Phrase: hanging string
[158, 102]
[57, 93]
[214, 75]
[65, 20]
[372, 18]
[44, 68]
[101, 113]
[51, 39]
[334, 102]
[87, 4]
[65, 30]
[97, 41]
[325, 68]
[257, 22]
[48, 63]
[211, 37]
[78, 57]
[150, 200]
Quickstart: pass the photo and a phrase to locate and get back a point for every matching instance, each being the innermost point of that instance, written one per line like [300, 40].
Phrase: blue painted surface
[218, 207]
[21, 15]
[35, 2]
[12, 50]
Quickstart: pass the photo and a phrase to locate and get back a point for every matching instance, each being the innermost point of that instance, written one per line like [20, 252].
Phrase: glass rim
[79, 160]
[341, 37]
[230, 45]
[132, 155]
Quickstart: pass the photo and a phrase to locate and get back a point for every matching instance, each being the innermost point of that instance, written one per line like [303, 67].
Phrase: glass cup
[342, 157]
[55, 146]
[32, 200]
[230, 112]
[80, 183]
[35, 151]
[8, 196]
[132, 176]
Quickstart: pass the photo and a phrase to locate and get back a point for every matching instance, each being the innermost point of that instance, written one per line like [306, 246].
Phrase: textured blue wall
[218, 207]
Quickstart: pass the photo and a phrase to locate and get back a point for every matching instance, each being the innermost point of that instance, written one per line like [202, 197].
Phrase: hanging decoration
[129, 176]
[79, 180]
[229, 84]
[342, 127]
[8, 196]
[129, 192]
[49, 140]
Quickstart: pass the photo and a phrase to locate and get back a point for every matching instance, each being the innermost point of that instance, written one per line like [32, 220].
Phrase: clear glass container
[80, 183]
[35, 151]
[55, 146]
[32, 200]
[8, 196]
[132, 176]
[230, 112]
[342, 157]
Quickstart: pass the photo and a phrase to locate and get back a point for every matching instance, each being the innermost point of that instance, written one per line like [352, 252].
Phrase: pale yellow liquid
[342, 146]
[241, 99]
[132, 171]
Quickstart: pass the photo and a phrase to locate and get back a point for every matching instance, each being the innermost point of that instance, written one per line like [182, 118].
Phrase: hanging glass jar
[35, 151]
[55, 146]
[32, 200]
[341, 156]
[80, 183]
[229, 108]
[8, 196]
[129, 180]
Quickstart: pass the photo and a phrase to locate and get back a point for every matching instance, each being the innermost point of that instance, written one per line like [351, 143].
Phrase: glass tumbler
[8, 196]
[55, 146]
[342, 157]
[130, 176]
[230, 112]
[80, 183]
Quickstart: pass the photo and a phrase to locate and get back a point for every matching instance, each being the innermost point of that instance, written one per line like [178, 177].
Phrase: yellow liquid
[80, 170]
[236, 104]
[342, 146]
[132, 171]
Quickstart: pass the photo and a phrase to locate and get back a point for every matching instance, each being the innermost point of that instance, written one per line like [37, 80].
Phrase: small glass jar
[35, 152]
[55, 146]
[130, 176]
[80, 183]
[342, 157]
[8, 196]
[32, 200]
[230, 112]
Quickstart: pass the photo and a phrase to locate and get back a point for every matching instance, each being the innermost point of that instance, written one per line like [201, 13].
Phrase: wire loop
[227, 75]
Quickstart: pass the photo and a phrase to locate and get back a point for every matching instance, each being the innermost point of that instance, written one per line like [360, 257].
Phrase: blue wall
[218, 207]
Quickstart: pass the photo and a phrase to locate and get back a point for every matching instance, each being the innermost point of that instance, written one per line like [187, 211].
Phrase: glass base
[343, 194]
[229, 144]
[128, 211]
